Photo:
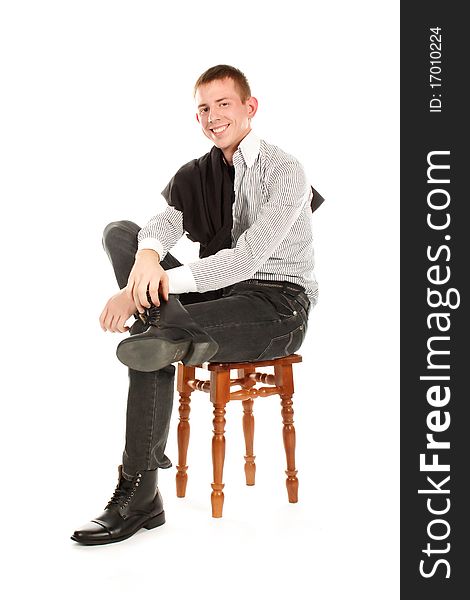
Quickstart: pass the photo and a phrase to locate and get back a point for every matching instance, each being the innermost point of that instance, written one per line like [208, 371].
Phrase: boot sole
[200, 352]
[149, 524]
[151, 354]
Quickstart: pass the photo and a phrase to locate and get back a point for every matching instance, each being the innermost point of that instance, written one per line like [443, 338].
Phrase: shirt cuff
[151, 244]
[181, 280]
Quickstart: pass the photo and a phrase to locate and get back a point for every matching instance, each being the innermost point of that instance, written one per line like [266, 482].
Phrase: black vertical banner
[435, 269]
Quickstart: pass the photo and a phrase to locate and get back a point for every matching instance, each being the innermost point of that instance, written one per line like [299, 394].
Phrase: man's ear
[197, 118]
[252, 104]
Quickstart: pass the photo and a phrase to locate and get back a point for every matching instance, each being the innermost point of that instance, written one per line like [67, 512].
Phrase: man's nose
[213, 115]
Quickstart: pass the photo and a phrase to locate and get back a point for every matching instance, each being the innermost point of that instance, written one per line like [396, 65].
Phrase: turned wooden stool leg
[248, 427]
[284, 380]
[184, 374]
[220, 393]
[248, 430]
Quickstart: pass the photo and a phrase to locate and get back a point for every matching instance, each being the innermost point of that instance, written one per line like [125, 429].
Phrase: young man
[247, 298]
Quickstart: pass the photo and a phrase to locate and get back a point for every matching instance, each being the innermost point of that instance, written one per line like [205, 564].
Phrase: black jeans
[250, 320]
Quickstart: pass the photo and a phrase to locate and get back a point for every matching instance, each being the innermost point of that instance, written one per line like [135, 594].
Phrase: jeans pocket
[283, 345]
[285, 308]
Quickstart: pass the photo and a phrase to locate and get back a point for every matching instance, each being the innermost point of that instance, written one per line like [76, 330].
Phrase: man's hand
[147, 274]
[116, 312]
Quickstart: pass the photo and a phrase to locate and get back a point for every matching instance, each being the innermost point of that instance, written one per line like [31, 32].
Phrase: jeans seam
[149, 449]
[293, 333]
[289, 334]
[250, 324]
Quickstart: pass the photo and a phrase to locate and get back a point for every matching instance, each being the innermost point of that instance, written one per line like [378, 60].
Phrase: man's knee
[116, 232]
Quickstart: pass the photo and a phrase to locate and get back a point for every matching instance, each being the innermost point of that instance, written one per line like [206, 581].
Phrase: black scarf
[202, 190]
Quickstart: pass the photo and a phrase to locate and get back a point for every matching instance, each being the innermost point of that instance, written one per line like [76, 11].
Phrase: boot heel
[151, 353]
[155, 521]
[200, 352]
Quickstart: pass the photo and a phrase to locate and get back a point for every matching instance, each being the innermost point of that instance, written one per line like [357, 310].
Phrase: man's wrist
[147, 252]
[151, 244]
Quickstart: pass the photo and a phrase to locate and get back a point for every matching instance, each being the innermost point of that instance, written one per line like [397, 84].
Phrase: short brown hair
[221, 72]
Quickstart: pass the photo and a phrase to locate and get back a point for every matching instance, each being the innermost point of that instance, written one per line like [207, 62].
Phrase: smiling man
[225, 120]
[248, 297]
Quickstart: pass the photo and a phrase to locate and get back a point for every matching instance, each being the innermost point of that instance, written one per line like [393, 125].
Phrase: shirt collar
[249, 148]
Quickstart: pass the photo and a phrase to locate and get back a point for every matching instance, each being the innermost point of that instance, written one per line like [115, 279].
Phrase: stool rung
[263, 378]
[200, 385]
[253, 393]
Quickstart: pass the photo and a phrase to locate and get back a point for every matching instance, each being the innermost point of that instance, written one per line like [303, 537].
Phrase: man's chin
[221, 144]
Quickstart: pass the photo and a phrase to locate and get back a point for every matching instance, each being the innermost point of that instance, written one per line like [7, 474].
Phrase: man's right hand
[116, 312]
[147, 274]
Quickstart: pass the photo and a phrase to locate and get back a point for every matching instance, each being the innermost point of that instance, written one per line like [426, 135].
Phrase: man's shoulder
[274, 153]
[274, 158]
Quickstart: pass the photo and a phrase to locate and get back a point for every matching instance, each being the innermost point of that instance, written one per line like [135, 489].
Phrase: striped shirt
[271, 233]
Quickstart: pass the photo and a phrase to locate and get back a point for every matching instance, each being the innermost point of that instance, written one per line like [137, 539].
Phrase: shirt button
[295, 312]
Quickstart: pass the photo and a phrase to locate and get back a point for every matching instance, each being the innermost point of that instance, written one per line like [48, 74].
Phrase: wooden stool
[281, 383]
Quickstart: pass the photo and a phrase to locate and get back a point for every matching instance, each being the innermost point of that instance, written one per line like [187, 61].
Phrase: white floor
[340, 538]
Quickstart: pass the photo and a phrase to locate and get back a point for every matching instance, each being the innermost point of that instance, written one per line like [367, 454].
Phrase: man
[247, 298]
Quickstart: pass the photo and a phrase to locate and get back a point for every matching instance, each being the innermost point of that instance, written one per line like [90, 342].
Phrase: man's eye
[203, 110]
[224, 103]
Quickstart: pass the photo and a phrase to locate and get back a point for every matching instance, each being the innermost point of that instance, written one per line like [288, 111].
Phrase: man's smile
[220, 129]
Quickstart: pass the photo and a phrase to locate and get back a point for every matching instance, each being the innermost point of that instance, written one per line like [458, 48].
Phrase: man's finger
[121, 325]
[132, 291]
[165, 285]
[107, 322]
[130, 284]
[113, 323]
[137, 302]
[102, 319]
[143, 296]
[153, 291]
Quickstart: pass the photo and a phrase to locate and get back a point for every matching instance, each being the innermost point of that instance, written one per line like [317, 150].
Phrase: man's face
[224, 118]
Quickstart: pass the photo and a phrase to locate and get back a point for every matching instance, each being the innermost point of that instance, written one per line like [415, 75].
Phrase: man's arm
[162, 232]
[289, 192]
[155, 239]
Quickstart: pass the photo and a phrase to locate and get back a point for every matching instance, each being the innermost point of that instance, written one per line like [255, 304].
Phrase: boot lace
[154, 315]
[123, 495]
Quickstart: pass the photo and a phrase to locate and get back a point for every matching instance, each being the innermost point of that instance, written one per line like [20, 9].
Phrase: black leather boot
[172, 336]
[134, 504]
[140, 324]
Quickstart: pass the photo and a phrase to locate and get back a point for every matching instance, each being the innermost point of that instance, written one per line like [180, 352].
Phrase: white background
[96, 115]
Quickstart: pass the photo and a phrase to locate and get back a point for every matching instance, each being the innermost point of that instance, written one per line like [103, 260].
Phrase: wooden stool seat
[281, 383]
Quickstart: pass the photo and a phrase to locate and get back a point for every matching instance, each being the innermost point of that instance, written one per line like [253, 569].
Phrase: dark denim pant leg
[249, 321]
[254, 321]
[150, 396]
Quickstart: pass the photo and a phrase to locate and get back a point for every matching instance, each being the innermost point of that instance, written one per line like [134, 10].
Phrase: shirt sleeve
[181, 280]
[162, 231]
[288, 193]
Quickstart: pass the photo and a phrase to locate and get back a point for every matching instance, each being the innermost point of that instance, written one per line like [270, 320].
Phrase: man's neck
[228, 155]
[229, 152]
